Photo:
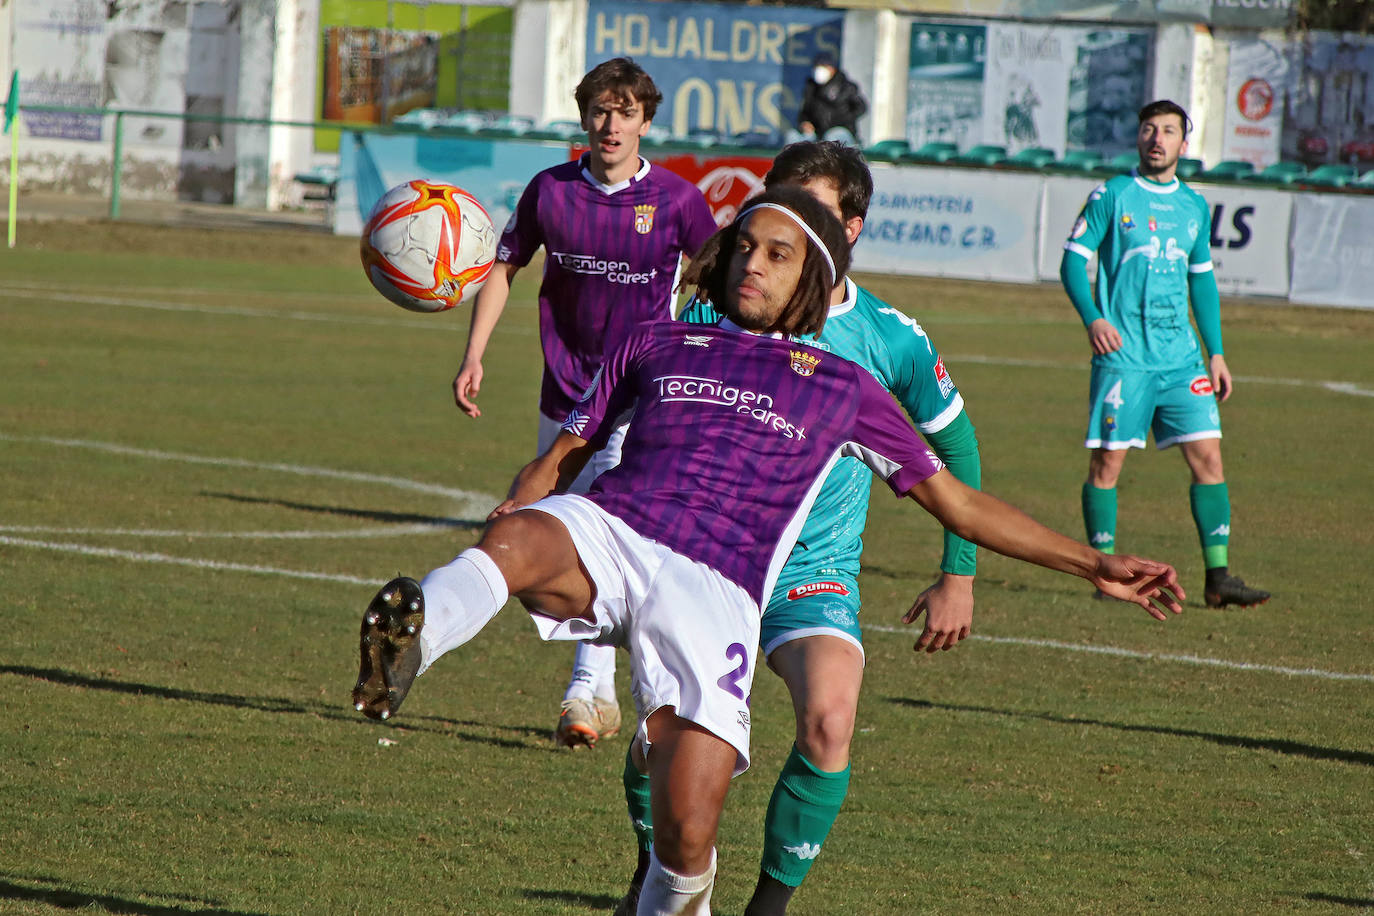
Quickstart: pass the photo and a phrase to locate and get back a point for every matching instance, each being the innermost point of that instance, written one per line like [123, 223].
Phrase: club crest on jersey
[942, 378]
[644, 218]
[1201, 385]
[1127, 222]
[804, 364]
[1153, 225]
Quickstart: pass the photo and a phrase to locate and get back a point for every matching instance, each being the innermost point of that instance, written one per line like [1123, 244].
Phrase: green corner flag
[12, 103]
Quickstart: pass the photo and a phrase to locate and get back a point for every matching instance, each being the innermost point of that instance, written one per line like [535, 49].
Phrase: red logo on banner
[1201, 385]
[1255, 100]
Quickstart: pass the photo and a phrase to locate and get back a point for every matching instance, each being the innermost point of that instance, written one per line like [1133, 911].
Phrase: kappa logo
[804, 364]
[697, 340]
[644, 218]
[816, 588]
[1200, 385]
[1103, 537]
[1222, 530]
[805, 851]
[942, 378]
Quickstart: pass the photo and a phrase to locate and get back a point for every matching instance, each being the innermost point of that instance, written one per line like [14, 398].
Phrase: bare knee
[824, 732]
[1104, 467]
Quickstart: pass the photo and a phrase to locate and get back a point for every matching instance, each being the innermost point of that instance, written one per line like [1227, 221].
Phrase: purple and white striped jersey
[733, 435]
[611, 261]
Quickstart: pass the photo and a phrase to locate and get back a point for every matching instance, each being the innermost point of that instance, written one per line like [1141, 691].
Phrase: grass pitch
[214, 445]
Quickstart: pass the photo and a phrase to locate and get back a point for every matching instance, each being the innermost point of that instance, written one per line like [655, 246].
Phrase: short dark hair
[1166, 107]
[810, 302]
[623, 79]
[832, 161]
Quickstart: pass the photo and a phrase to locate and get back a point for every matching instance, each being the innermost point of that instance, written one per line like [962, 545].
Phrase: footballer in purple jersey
[582, 570]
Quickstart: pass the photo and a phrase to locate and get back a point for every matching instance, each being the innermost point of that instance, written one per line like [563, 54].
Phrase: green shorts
[1177, 405]
[821, 606]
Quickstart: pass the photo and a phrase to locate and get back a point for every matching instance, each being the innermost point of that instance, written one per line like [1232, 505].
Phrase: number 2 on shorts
[729, 682]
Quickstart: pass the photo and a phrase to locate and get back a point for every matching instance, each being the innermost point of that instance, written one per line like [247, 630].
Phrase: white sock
[593, 673]
[460, 599]
[666, 893]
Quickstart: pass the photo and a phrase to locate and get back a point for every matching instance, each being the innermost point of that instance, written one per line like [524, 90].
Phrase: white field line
[432, 324]
[478, 504]
[162, 558]
[388, 531]
[1145, 656]
[136, 556]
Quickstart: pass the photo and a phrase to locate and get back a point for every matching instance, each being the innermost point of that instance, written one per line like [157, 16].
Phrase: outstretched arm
[551, 472]
[999, 526]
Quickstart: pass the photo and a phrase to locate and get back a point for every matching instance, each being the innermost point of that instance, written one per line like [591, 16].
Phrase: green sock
[804, 806]
[637, 801]
[1099, 516]
[1211, 504]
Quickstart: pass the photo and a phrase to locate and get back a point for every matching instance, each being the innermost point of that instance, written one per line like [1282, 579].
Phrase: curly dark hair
[805, 311]
[623, 79]
[829, 160]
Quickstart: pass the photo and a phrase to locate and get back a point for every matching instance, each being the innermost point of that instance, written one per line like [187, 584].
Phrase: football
[428, 246]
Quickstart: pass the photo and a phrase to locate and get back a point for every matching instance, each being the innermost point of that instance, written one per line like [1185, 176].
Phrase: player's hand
[1221, 378]
[948, 606]
[1104, 337]
[466, 384]
[1150, 584]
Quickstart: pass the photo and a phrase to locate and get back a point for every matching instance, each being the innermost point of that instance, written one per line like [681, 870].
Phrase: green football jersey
[896, 350]
[1148, 237]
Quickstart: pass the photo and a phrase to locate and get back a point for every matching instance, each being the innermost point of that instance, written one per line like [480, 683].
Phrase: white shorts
[691, 632]
[603, 460]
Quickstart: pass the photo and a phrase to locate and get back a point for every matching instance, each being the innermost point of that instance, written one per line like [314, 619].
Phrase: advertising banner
[1255, 79]
[495, 172]
[1333, 260]
[1329, 110]
[1249, 14]
[1019, 85]
[59, 47]
[722, 67]
[1249, 233]
[951, 223]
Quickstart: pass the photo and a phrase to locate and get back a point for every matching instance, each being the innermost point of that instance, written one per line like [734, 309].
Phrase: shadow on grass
[599, 902]
[79, 900]
[1359, 903]
[1277, 745]
[529, 737]
[375, 515]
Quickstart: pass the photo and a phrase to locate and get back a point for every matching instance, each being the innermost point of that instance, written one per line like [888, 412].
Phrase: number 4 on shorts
[1113, 396]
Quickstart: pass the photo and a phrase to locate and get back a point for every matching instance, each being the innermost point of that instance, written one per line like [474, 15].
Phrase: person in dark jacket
[830, 100]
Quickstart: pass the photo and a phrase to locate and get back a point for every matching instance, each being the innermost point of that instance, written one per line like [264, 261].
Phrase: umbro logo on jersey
[697, 340]
[1224, 530]
[804, 851]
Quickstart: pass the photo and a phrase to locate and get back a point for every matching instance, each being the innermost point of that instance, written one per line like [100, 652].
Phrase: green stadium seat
[1079, 160]
[887, 150]
[1331, 176]
[982, 154]
[1124, 162]
[1187, 168]
[1032, 157]
[1278, 173]
[1228, 170]
[934, 151]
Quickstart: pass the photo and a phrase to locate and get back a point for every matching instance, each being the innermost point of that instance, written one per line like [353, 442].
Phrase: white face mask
[822, 75]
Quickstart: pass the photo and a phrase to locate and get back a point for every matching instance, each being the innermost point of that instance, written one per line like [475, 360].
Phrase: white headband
[811, 233]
